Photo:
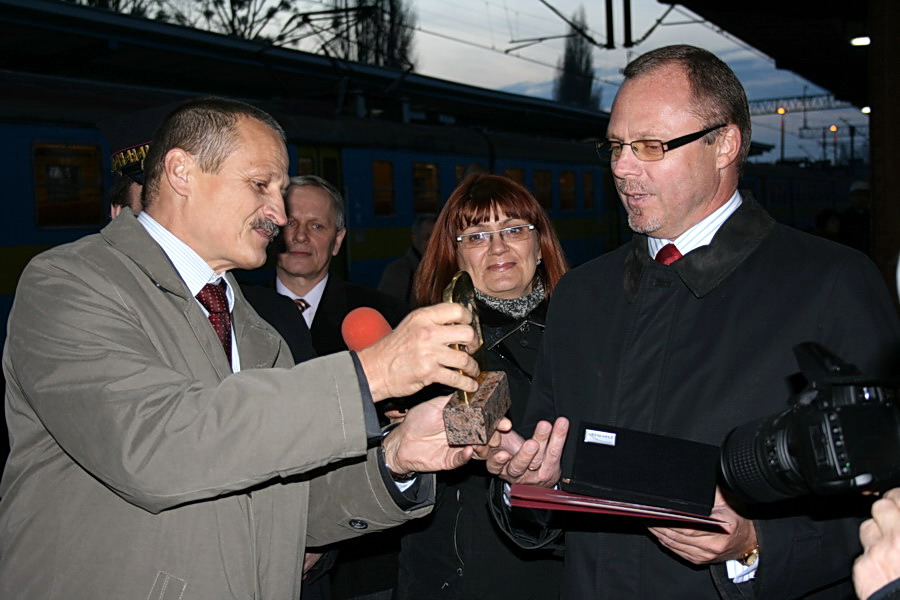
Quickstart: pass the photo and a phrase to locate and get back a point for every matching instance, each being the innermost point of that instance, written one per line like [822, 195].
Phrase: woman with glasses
[494, 229]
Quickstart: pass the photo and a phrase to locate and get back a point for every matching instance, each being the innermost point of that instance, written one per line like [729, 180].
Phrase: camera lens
[757, 461]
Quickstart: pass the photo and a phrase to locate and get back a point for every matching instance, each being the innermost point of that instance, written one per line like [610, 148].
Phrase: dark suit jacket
[282, 314]
[693, 350]
[338, 299]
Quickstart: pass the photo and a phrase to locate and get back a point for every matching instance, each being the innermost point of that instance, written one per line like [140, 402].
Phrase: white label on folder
[592, 436]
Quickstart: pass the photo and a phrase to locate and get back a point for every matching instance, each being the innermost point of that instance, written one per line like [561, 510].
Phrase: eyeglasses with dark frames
[649, 150]
[512, 234]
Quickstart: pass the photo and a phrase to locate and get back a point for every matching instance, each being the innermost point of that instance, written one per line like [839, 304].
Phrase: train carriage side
[54, 180]
[795, 195]
[387, 184]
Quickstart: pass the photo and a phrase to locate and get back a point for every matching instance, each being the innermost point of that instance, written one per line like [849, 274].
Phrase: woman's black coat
[458, 551]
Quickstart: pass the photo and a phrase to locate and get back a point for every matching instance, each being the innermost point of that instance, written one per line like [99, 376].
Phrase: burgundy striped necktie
[301, 304]
[667, 254]
[213, 299]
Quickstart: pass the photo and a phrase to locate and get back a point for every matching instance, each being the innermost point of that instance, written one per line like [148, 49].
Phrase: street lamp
[834, 129]
[781, 111]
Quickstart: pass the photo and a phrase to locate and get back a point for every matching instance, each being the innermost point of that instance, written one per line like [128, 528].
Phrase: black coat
[338, 299]
[458, 551]
[282, 314]
[693, 350]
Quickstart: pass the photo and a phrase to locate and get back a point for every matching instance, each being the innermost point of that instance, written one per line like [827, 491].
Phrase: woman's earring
[539, 261]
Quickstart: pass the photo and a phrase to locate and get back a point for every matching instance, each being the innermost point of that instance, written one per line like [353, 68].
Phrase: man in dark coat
[339, 298]
[312, 237]
[282, 314]
[695, 347]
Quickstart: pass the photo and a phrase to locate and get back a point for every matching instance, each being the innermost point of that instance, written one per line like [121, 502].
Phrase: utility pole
[834, 129]
[626, 10]
[610, 29]
[781, 111]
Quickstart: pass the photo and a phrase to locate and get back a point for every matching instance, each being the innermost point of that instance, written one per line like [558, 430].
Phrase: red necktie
[667, 254]
[213, 299]
[301, 304]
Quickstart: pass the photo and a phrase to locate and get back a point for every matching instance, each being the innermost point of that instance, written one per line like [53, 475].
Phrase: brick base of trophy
[474, 422]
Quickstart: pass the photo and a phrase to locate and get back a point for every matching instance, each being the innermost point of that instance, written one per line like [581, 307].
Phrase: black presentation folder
[643, 468]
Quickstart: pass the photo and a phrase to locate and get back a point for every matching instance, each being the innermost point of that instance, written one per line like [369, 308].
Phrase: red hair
[479, 198]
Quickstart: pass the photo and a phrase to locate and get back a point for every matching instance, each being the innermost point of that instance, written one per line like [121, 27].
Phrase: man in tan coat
[156, 457]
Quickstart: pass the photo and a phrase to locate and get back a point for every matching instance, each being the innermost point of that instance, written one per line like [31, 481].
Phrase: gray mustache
[268, 226]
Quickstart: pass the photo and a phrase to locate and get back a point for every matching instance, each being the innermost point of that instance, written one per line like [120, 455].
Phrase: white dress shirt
[313, 297]
[700, 234]
[193, 270]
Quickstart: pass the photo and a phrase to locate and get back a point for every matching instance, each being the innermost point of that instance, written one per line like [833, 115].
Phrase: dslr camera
[842, 432]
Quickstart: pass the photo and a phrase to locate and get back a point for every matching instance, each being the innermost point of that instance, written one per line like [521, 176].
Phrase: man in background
[312, 237]
[398, 276]
[129, 135]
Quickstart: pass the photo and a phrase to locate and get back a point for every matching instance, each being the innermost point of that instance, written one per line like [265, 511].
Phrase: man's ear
[179, 166]
[729, 146]
[338, 240]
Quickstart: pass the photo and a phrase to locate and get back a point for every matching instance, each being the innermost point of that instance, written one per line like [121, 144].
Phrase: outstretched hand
[418, 353]
[419, 444]
[880, 538]
[532, 462]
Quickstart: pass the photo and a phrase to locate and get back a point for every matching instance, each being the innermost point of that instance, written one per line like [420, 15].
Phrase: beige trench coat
[141, 467]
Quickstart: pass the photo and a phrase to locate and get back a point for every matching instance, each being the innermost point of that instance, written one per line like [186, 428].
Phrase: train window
[68, 186]
[543, 188]
[426, 190]
[383, 187]
[517, 175]
[587, 180]
[306, 165]
[567, 200]
[324, 161]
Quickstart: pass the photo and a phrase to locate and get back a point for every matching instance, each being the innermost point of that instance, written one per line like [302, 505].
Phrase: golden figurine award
[471, 417]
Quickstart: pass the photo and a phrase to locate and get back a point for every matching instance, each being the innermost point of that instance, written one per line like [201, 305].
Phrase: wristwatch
[750, 557]
[402, 477]
[398, 477]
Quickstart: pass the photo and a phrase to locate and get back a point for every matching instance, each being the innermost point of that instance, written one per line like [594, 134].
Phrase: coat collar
[497, 326]
[129, 237]
[703, 269]
[257, 342]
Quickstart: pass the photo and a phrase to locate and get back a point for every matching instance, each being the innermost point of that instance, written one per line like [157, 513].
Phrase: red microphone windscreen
[362, 327]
